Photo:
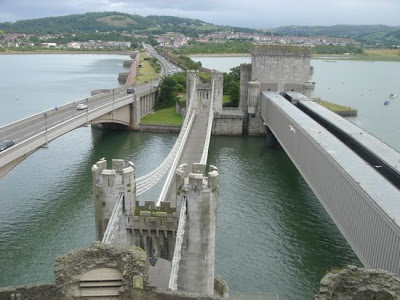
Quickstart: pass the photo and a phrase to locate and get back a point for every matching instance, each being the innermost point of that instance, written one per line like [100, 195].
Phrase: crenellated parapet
[280, 50]
[108, 184]
[149, 217]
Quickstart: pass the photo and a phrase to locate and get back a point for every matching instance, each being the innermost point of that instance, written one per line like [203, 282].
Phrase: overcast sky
[244, 13]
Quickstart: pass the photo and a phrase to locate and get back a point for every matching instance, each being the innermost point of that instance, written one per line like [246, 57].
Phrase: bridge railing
[204, 155]
[8, 129]
[190, 114]
[113, 224]
[50, 133]
[146, 182]
[173, 279]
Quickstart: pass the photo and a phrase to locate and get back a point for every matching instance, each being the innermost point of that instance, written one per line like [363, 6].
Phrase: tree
[232, 86]
[167, 92]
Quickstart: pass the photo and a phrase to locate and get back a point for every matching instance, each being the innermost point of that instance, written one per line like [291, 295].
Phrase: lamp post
[45, 124]
[113, 98]
[87, 111]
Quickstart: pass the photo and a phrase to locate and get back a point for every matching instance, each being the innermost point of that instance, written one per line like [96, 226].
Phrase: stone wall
[255, 126]
[228, 123]
[130, 262]
[281, 65]
[32, 292]
[353, 283]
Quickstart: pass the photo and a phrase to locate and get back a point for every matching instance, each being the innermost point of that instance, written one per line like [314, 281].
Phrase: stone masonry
[353, 283]
[273, 68]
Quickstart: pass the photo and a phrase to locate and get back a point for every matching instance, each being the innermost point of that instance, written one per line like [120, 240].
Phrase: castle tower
[197, 269]
[281, 68]
[108, 184]
[218, 79]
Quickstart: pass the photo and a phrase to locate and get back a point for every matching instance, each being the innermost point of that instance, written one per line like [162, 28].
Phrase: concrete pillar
[245, 77]
[308, 89]
[218, 79]
[134, 114]
[142, 106]
[253, 98]
[197, 269]
[191, 76]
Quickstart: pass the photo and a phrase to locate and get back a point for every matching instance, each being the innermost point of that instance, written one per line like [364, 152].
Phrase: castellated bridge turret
[179, 241]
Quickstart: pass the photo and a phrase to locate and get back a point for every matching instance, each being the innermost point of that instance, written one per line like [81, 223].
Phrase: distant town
[168, 40]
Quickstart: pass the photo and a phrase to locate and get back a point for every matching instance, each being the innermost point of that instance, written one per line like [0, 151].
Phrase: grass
[146, 73]
[225, 99]
[368, 55]
[333, 106]
[165, 116]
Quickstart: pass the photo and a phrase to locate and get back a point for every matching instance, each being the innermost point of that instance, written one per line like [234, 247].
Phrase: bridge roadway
[34, 132]
[193, 148]
[364, 205]
[38, 130]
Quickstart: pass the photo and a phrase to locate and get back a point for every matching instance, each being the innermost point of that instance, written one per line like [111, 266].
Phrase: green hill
[367, 34]
[113, 21]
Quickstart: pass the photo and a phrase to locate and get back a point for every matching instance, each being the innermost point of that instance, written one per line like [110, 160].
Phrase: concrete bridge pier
[134, 112]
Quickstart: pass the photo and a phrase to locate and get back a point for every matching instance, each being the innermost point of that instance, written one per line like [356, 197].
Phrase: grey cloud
[249, 13]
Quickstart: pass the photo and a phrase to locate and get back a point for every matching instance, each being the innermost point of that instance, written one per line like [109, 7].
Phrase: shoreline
[337, 57]
[64, 52]
[221, 54]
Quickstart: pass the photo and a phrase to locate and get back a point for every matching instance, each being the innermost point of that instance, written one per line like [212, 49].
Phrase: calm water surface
[273, 235]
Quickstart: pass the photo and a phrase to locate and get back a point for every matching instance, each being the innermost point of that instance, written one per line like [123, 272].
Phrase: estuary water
[272, 236]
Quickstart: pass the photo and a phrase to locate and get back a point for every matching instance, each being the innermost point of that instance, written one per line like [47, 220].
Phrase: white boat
[392, 96]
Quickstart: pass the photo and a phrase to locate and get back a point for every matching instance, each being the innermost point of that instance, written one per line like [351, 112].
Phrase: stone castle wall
[281, 68]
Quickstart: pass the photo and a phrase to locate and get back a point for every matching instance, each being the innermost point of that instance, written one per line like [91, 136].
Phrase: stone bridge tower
[276, 68]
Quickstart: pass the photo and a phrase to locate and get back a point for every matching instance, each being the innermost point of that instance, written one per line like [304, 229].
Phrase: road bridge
[34, 132]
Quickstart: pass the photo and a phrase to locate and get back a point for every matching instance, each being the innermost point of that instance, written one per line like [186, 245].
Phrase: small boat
[386, 102]
[392, 96]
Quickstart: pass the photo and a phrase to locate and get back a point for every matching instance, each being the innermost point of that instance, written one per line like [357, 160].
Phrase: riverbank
[66, 52]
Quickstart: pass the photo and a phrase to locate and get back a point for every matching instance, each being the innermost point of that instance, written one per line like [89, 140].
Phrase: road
[37, 130]
[28, 127]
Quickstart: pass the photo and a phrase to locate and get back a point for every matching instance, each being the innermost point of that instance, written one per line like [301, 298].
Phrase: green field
[165, 116]
[146, 72]
[368, 55]
[333, 106]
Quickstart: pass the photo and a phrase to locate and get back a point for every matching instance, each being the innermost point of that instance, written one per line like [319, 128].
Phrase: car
[130, 91]
[81, 106]
[5, 144]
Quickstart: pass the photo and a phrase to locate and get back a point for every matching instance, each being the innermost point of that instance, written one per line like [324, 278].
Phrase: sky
[260, 14]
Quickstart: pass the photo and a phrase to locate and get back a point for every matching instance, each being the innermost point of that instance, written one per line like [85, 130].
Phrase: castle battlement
[121, 173]
[196, 180]
[108, 186]
[280, 50]
[149, 217]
